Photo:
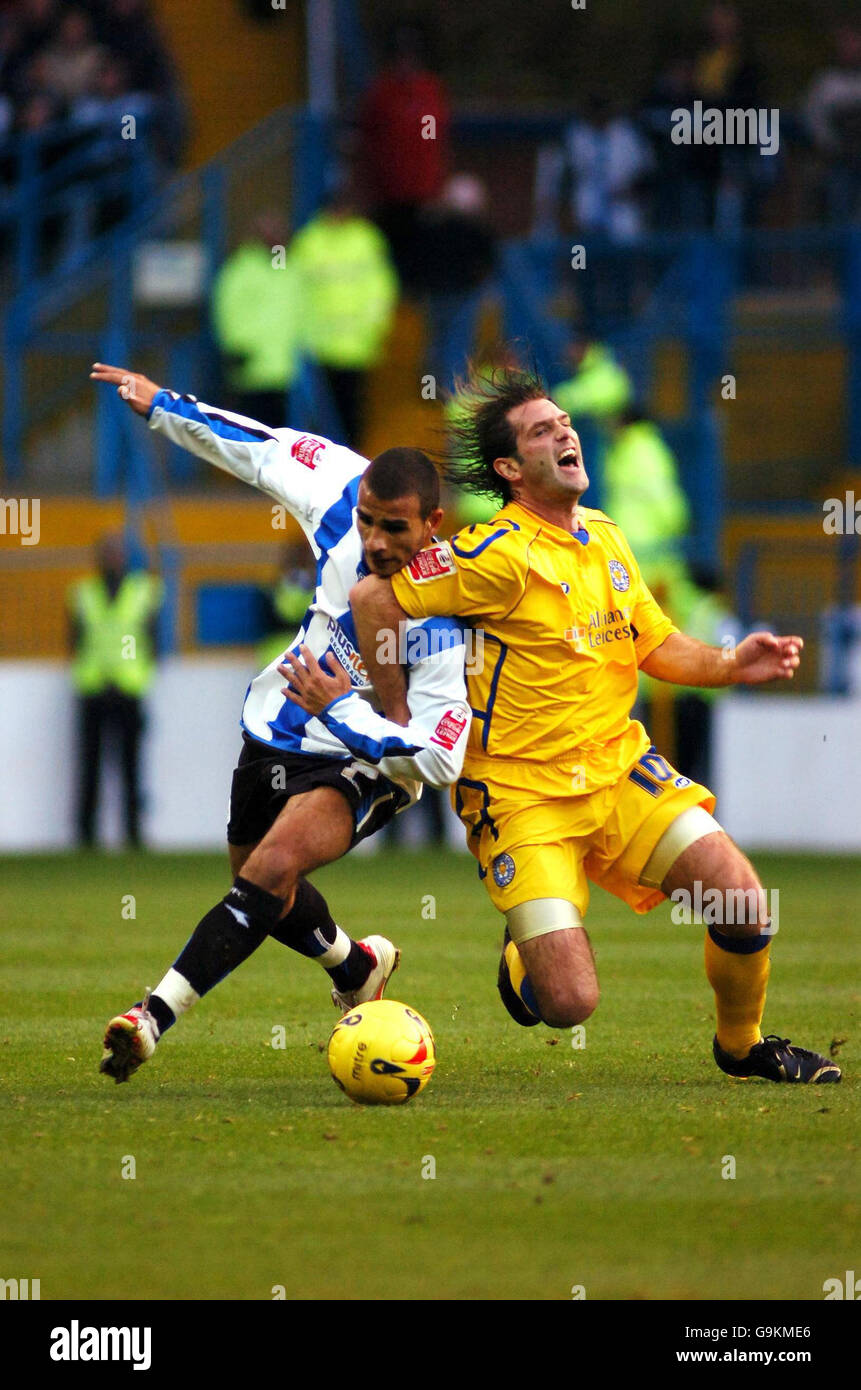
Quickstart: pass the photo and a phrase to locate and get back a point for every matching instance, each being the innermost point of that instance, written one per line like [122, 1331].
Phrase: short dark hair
[404, 473]
[480, 430]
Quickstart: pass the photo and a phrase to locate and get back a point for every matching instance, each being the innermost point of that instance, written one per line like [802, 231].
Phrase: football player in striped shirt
[560, 787]
[320, 769]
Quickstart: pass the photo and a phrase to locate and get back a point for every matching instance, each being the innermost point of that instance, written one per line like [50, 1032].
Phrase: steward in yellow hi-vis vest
[113, 614]
[115, 645]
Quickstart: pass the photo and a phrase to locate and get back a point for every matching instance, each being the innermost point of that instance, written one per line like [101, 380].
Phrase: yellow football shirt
[563, 622]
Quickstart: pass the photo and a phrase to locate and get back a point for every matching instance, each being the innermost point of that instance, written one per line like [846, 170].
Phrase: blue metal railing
[62, 175]
[104, 263]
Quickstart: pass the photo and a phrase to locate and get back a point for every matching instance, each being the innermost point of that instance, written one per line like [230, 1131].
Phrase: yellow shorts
[529, 847]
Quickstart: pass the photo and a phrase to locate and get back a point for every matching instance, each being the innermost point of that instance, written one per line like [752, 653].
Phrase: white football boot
[130, 1039]
[386, 960]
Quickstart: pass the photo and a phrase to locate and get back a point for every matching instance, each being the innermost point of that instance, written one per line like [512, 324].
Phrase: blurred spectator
[94, 63]
[113, 617]
[39, 20]
[644, 496]
[128, 29]
[349, 293]
[256, 313]
[604, 164]
[69, 65]
[97, 120]
[111, 100]
[600, 387]
[687, 177]
[404, 128]
[726, 76]
[130, 32]
[605, 160]
[832, 111]
[459, 250]
[287, 601]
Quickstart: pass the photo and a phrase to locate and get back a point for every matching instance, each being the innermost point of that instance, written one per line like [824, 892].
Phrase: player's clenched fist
[764, 657]
[138, 390]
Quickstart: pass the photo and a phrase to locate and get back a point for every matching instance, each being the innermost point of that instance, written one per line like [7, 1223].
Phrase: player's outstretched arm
[305, 473]
[133, 387]
[377, 613]
[760, 658]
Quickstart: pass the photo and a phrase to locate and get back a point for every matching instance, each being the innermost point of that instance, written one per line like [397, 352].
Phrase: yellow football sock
[737, 970]
[520, 981]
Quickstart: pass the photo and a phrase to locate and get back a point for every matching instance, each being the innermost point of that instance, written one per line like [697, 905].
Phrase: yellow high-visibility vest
[115, 647]
[600, 387]
[349, 289]
[256, 315]
[290, 602]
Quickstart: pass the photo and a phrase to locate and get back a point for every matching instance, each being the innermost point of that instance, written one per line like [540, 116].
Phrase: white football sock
[176, 992]
[336, 951]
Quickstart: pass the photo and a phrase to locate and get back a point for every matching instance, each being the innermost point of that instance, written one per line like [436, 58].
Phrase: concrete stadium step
[396, 412]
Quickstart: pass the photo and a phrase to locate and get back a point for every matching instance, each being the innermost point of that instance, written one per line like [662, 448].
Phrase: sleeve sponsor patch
[306, 448]
[432, 563]
[449, 728]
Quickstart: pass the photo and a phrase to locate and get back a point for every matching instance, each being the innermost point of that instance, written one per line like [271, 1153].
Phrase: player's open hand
[310, 686]
[763, 657]
[132, 387]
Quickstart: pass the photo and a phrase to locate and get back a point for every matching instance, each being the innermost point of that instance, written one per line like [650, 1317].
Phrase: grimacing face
[550, 467]
[392, 532]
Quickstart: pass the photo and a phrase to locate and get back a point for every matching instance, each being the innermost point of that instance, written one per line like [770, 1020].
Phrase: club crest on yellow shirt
[619, 576]
[503, 870]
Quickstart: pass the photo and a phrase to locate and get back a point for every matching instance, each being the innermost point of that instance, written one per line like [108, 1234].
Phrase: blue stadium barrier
[229, 614]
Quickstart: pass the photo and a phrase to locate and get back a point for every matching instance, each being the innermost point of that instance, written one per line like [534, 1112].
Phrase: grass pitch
[556, 1167]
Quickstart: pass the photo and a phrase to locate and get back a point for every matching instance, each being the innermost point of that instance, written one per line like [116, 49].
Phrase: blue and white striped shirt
[318, 482]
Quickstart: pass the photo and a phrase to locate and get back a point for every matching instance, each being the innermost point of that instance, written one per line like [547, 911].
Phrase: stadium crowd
[82, 67]
[618, 174]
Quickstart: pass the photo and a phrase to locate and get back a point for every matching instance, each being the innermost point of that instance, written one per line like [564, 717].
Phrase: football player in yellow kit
[560, 786]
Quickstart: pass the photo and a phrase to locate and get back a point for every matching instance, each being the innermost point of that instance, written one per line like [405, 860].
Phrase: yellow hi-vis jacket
[256, 318]
[349, 289]
[600, 387]
[115, 647]
[643, 495]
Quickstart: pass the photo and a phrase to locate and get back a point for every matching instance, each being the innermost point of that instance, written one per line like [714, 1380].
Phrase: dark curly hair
[479, 430]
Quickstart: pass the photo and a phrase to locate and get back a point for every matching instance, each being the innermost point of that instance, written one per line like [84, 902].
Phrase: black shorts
[265, 779]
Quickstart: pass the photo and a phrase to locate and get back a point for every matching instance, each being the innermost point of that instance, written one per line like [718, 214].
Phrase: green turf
[555, 1167]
